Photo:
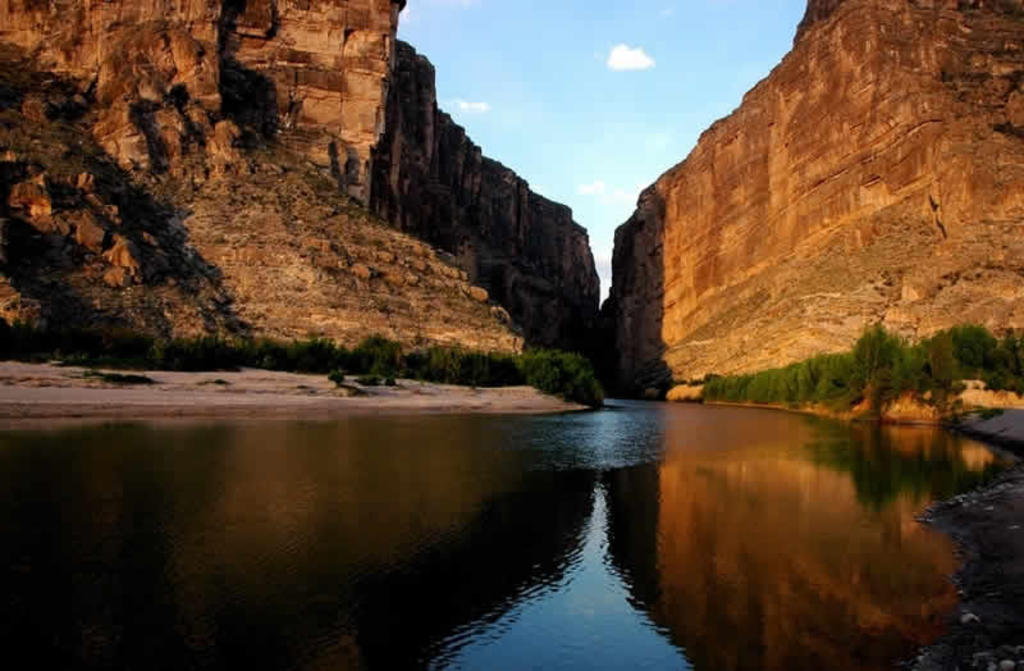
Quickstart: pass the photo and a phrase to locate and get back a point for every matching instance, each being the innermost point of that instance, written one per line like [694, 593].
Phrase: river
[645, 536]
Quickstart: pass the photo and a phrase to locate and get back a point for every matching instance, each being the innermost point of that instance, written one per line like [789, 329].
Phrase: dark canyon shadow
[248, 97]
[631, 359]
[433, 182]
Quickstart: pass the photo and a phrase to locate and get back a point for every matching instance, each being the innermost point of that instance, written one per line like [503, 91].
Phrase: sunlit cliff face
[876, 162]
[770, 555]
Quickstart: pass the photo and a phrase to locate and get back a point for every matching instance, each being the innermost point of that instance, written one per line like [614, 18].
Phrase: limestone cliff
[877, 174]
[432, 181]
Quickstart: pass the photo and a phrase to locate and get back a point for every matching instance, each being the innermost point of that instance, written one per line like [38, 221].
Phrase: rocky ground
[33, 392]
[987, 630]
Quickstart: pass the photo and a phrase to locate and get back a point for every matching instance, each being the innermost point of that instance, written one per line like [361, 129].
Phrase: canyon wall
[433, 181]
[876, 175]
[166, 167]
[268, 248]
[245, 123]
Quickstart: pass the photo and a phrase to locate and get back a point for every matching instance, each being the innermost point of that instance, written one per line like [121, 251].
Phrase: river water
[643, 536]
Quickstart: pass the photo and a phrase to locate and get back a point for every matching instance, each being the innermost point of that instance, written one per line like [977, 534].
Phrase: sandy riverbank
[47, 391]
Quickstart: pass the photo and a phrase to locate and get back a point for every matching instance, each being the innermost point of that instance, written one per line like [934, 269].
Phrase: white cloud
[471, 107]
[606, 195]
[623, 57]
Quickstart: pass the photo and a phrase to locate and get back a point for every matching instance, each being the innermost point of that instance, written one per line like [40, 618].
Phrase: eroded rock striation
[877, 174]
[434, 182]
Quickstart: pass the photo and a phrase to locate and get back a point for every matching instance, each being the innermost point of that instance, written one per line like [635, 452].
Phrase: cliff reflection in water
[767, 540]
[647, 536]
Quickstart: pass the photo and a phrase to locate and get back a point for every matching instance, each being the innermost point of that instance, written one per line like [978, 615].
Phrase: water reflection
[790, 543]
[650, 535]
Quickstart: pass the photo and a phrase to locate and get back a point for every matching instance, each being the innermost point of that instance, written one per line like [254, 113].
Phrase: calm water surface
[644, 536]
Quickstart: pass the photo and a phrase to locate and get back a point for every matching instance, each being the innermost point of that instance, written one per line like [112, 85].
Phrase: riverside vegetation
[376, 359]
[881, 368]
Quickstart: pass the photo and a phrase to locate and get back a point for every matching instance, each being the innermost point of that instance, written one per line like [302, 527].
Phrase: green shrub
[447, 365]
[880, 367]
[369, 380]
[973, 347]
[564, 374]
[378, 356]
[375, 359]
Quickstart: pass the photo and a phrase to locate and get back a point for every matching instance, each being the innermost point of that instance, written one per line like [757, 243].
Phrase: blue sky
[591, 100]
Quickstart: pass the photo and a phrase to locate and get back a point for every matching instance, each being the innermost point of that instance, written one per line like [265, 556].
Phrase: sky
[591, 100]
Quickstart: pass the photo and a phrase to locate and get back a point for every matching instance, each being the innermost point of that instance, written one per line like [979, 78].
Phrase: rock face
[432, 181]
[268, 248]
[164, 72]
[876, 175]
[197, 91]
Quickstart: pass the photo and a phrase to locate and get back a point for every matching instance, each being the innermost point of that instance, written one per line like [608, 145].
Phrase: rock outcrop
[876, 175]
[433, 181]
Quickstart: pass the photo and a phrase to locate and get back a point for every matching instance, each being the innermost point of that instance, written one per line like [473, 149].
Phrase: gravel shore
[986, 631]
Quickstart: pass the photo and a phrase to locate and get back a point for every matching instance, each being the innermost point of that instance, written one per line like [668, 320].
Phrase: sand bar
[44, 391]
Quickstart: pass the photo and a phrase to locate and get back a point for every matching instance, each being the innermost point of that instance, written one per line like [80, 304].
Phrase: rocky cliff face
[876, 175]
[225, 114]
[174, 79]
[432, 181]
[268, 246]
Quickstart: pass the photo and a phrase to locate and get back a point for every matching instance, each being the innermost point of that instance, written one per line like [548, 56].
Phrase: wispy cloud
[623, 57]
[471, 107]
[595, 188]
